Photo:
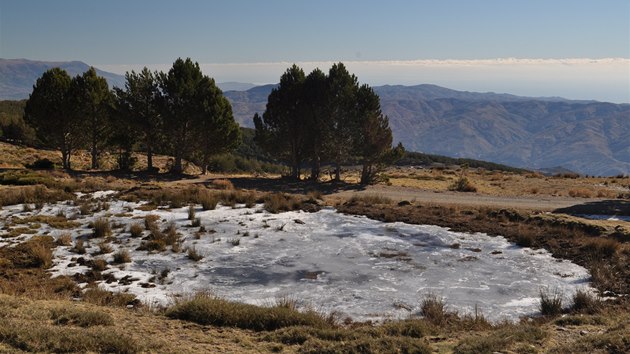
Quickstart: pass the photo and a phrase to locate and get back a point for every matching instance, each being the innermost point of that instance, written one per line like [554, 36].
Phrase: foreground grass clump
[34, 253]
[209, 310]
[369, 199]
[31, 194]
[102, 228]
[519, 337]
[550, 302]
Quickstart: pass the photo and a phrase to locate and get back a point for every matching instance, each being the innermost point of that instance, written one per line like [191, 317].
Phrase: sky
[570, 48]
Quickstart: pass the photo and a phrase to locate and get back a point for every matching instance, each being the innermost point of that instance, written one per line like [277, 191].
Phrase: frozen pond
[365, 269]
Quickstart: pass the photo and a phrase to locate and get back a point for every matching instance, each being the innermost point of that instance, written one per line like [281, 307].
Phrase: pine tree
[92, 101]
[138, 104]
[198, 120]
[48, 110]
[282, 128]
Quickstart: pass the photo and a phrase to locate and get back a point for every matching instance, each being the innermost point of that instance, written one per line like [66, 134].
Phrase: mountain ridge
[588, 137]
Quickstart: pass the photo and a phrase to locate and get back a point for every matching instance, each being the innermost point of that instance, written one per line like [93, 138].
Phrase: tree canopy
[326, 118]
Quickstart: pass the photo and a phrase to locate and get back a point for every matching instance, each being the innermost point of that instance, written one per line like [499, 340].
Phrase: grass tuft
[206, 309]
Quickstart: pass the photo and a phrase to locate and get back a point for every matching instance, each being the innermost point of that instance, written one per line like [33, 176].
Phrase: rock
[298, 221]
[404, 203]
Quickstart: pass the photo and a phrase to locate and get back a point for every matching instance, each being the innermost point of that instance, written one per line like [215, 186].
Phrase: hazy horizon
[576, 50]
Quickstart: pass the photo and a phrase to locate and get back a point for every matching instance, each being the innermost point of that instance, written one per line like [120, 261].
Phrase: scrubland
[44, 314]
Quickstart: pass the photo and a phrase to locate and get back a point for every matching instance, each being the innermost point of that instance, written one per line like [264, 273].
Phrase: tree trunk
[94, 156]
[149, 158]
[366, 174]
[177, 167]
[315, 169]
[337, 171]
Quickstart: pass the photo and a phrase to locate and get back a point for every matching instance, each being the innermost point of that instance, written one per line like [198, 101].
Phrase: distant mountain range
[588, 137]
[17, 76]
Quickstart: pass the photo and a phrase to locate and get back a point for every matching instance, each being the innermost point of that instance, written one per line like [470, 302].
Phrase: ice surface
[362, 268]
[606, 217]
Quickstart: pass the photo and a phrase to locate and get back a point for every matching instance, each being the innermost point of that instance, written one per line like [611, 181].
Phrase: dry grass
[64, 239]
[551, 302]
[224, 184]
[122, 256]
[101, 228]
[136, 230]
[206, 309]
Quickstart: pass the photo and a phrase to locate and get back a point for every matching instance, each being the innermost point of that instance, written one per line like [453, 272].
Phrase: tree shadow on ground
[604, 207]
[291, 186]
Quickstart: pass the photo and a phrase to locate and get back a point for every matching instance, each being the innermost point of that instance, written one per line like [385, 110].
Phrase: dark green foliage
[93, 102]
[42, 164]
[50, 111]
[326, 119]
[282, 128]
[138, 109]
[12, 124]
[197, 118]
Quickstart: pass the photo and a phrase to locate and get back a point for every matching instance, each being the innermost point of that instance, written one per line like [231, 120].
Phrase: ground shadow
[290, 186]
[604, 207]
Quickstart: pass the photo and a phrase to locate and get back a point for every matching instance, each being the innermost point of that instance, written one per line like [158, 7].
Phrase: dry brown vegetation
[39, 316]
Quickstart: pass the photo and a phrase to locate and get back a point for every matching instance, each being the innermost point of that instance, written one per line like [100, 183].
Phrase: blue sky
[118, 35]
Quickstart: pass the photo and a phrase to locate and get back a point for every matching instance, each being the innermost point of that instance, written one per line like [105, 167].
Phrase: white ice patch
[362, 268]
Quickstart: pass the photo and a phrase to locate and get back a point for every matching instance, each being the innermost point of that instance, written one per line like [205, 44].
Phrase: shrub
[64, 316]
[122, 256]
[194, 255]
[42, 164]
[104, 248]
[196, 222]
[206, 309]
[550, 302]
[222, 184]
[79, 247]
[99, 264]
[602, 247]
[39, 253]
[207, 200]
[580, 193]
[191, 212]
[433, 308]
[102, 297]
[462, 184]
[64, 239]
[585, 302]
[278, 202]
[102, 228]
[136, 230]
[150, 221]
[369, 199]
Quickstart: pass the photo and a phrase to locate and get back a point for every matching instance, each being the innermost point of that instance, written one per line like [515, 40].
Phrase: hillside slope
[585, 136]
[17, 76]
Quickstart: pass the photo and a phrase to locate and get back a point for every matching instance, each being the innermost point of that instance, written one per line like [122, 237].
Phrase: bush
[64, 239]
[191, 212]
[64, 316]
[42, 164]
[550, 302]
[278, 202]
[433, 308]
[209, 310]
[585, 302]
[102, 228]
[122, 256]
[462, 185]
[136, 230]
[207, 200]
[194, 255]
